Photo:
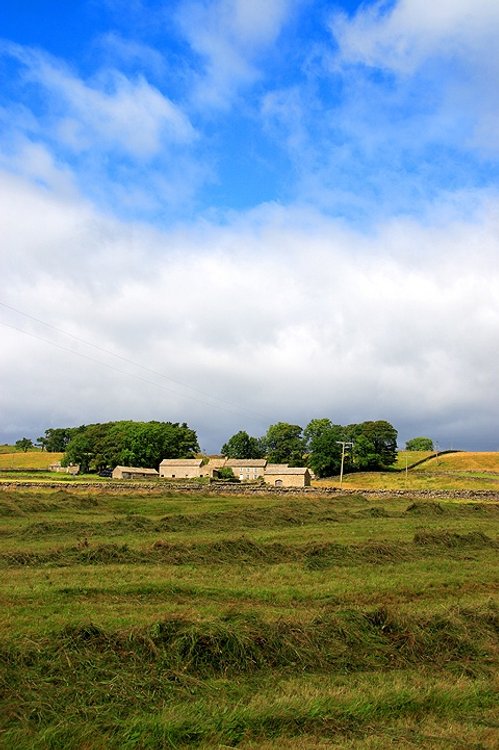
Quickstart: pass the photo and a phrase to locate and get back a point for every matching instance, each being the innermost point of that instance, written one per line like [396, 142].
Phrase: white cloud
[282, 312]
[229, 35]
[113, 112]
[403, 35]
[444, 61]
[117, 48]
[116, 139]
[34, 161]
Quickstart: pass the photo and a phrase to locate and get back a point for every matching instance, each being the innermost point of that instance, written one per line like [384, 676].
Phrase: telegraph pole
[344, 444]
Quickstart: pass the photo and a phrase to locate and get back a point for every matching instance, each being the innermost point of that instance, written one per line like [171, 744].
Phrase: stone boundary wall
[435, 454]
[238, 489]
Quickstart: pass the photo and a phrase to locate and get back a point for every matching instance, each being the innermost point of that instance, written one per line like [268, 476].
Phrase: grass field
[156, 619]
[27, 460]
[411, 457]
[463, 461]
[454, 471]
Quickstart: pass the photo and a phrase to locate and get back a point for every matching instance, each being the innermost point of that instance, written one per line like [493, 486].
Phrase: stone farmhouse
[245, 469]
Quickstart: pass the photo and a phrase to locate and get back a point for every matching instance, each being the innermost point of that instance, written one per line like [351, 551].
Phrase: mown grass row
[56, 689]
[346, 641]
[277, 516]
[244, 550]
[418, 710]
[153, 621]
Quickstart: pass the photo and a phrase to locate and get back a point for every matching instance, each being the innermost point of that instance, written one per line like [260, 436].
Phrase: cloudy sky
[237, 212]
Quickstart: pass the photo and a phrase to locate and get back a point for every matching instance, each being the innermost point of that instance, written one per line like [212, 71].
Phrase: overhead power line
[214, 402]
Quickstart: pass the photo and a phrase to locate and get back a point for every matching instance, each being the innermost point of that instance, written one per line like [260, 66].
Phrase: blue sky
[281, 204]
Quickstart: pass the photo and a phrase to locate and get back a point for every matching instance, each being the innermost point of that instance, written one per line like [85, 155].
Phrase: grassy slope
[411, 457]
[453, 471]
[28, 460]
[166, 620]
[463, 461]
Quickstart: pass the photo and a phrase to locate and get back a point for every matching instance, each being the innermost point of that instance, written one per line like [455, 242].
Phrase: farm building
[287, 476]
[71, 469]
[180, 468]
[214, 464]
[247, 469]
[133, 472]
[275, 467]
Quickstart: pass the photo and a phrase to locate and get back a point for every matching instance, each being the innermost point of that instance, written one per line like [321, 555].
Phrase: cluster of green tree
[367, 446]
[241, 445]
[56, 439]
[99, 446]
[419, 444]
[24, 445]
[282, 443]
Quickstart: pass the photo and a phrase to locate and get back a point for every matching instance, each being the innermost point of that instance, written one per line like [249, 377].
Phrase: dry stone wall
[251, 490]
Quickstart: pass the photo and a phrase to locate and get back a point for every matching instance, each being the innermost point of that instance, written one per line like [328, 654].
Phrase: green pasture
[33, 459]
[156, 619]
[419, 478]
[408, 458]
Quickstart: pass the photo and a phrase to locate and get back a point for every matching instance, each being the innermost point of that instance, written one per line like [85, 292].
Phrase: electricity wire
[213, 403]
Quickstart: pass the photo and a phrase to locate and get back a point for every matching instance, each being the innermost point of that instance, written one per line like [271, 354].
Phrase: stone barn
[180, 468]
[287, 476]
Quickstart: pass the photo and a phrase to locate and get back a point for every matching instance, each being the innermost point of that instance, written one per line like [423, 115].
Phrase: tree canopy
[314, 430]
[56, 439]
[374, 446]
[24, 444]
[324, 449]
[98, 446]
[284, 443]
[419, 444]
[241, 445]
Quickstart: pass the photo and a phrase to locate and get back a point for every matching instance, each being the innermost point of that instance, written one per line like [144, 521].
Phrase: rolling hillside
[462, 461]
[28, 460]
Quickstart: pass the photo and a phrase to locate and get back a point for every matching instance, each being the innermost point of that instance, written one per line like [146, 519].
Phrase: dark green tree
[374, 445]
[314, 429]
[241, 445]
[324, 450]
[226, 473]
[56, 439]
[419, 444]
[99, 446]
[284, 443]
[24, 445]
[79, 451]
